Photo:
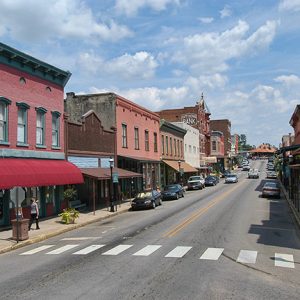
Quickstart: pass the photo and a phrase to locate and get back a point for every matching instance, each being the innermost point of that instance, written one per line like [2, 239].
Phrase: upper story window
[124, 136]
[155, 141]
[167, 145]
[22, 123]
[171, 147]
[40, 126]
[162, 144]
[55, 129]
[4, 119]
[136, 138]
[181, 149]
[178, 150]
[214, 146]
[146, 140]
[175, 148]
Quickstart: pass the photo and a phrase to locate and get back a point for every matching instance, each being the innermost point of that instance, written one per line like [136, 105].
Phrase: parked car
[195, 183]
[271, 174]
[246, 168]
[210, 180]
[231, 178]
[253, 173]
[271, 189]
[172, 191]
[225, 173]
[146, 199]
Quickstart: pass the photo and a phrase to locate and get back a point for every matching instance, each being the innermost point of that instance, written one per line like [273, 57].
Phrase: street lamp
[111, 165]
[180, 174]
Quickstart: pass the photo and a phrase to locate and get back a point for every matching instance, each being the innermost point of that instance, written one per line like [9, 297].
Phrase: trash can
[21, 230]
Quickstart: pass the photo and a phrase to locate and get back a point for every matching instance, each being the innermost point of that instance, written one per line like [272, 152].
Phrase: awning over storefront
[104, 173]
[141, 159]
[210, 159]
[37, 172]
[185, 166]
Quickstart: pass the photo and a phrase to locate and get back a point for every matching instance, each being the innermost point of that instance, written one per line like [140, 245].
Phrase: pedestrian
[34, 214]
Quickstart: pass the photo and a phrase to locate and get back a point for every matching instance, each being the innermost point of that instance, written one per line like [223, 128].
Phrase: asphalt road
[223, 242]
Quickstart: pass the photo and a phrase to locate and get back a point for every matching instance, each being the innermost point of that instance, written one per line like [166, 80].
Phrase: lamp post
[111, 165]
[180, 173]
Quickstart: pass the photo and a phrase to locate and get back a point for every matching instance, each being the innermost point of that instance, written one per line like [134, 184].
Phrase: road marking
[79, 238]
[198, 213]
[247, 257]
[88, 249]
[284, 260]
[62, 249]
[117, 250]
[179, 251]
[36, 250]
[147, 250]
[212, 253]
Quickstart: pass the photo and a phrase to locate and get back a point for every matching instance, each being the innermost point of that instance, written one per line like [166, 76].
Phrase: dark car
[172, 191]
[211, 180]
[271, 189]
[146, 199]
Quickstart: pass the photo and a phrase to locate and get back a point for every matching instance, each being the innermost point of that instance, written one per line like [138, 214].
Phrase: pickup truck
[253, 173]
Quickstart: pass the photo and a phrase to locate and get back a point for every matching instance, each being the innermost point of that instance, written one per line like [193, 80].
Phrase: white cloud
[131, 7]
[34, 20]
[204, 82]
[290, 5]
[206, 20]
[225, 12]
[288, 80]
[141, 65]
[210, 52]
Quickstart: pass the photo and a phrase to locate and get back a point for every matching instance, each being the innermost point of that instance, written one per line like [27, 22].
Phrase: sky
[243, 55]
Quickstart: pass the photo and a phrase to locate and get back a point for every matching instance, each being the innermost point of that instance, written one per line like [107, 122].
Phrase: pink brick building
[32, 135]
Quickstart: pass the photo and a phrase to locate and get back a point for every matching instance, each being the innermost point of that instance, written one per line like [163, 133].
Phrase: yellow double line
[198, 213]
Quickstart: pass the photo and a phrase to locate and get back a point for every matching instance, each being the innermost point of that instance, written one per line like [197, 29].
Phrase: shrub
[69, 215]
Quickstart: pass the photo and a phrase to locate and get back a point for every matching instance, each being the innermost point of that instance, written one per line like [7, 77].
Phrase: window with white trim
[55, 128]
[4, 119]
[40, 126]
[22, 123]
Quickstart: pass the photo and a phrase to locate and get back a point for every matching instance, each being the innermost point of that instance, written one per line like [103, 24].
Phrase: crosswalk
[244, 257]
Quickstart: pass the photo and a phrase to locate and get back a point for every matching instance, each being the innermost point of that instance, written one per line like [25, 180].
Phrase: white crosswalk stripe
[284, 260]
[117, 250]
[79, 238]
[179, 251]
[62, 249]
[247, 257]
[212, 253]
[88, 249]
[36, 250]
[146, 251]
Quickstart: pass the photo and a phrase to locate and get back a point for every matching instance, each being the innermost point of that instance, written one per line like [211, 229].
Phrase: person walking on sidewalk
[34, 214]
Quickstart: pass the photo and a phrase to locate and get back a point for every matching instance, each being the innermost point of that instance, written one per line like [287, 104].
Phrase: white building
[191, 144]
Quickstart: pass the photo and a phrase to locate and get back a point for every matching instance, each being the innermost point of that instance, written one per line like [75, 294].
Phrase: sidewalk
[52, 227]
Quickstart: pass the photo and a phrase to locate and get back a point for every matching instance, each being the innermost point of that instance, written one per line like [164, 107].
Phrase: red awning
[104, 173]
[37, 172]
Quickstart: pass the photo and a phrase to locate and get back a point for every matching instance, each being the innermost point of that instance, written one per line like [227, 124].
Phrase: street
[223, 242]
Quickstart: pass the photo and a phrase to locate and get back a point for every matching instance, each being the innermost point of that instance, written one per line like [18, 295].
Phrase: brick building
[137, 134]
[217, 150]
[32, 144]
[197, 116]
[224, 126]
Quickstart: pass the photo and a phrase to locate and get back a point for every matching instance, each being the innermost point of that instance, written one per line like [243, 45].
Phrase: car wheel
[160, 201]
[177, 196]
[153, 204]
[182, 195]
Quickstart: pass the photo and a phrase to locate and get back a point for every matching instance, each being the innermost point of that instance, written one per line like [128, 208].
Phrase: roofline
[35, 67]
[163, 122]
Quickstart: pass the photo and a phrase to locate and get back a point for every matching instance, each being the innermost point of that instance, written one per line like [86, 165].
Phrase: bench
[77, 204]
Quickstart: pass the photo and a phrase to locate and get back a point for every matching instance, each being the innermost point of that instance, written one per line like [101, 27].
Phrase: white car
[196, 183]
[231, 178]
[253, 173]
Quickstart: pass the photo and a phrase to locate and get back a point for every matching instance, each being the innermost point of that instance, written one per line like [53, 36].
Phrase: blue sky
[242, 55]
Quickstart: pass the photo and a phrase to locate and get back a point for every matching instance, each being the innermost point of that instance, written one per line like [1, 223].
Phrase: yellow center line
[198, 213]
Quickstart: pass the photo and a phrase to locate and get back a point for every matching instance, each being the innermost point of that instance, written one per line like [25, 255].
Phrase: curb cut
[46, 236]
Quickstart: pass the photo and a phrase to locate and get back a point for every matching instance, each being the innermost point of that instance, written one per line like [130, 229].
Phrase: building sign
[84, 162]
[115, 177]
[190, 119]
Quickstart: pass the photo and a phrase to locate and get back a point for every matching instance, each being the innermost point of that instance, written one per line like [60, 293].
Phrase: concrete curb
[46, 236]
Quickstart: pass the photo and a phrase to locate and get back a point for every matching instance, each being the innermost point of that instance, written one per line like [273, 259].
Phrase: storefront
[22, 179]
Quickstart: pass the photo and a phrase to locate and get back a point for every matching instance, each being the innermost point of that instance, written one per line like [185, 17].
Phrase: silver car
[231, 178]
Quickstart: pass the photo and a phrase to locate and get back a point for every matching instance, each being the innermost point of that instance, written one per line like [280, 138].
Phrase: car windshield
[170, 187]
[144, 195]
[195, 178]
[231, 175]
[271, 184]
[210, 178]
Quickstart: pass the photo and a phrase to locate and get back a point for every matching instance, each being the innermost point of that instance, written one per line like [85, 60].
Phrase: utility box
[20, 229]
